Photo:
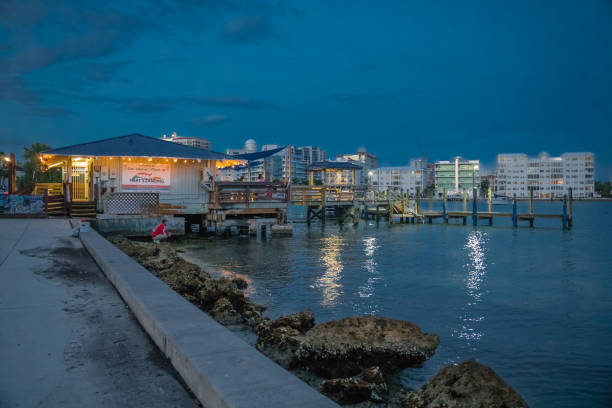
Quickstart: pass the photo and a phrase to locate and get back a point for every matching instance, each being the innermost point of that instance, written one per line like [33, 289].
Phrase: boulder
[301, 321]
[466, 385]
[345, 347]
[369, 385]
[224, 312]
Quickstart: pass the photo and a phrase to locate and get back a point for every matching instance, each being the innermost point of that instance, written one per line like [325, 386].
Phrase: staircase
[55, 205]
[83, 209]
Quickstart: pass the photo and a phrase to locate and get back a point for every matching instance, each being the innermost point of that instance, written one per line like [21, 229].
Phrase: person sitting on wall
[160, 232]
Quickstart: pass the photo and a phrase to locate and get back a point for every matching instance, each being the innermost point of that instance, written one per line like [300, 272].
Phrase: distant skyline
[473, 78]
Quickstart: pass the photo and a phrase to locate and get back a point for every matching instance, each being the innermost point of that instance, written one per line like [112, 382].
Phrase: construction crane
[422, 152]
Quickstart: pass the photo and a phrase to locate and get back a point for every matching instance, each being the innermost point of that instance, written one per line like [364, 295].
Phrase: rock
[466, 385]
[343, 348]
[224, 312]
[301, 321]
[369, 385]
[222, 298]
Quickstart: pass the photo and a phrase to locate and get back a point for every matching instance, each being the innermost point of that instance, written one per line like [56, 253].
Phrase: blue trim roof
[258, 155]
[328, 165]
[137, 145]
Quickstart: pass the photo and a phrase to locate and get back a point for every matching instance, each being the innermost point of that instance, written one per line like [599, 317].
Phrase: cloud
[210, 120]
[49, 112]
[229, 101]
[357, 98]
[103, 72]
[168, 60]
[246, 29]
[130, 104]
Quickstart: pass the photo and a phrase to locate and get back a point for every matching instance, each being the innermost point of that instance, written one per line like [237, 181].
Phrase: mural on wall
[22, 204]
[145, 176]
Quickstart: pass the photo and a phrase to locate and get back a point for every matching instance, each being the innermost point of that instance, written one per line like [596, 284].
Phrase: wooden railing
[51, 189]
[244, 193]
[313, 195]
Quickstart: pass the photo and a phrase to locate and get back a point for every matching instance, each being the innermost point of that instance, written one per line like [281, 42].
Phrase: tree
[484, 187]
[604, 189]
[33, 166]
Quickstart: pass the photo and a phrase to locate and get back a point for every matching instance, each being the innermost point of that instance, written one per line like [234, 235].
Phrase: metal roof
[258, 155]
[136, 145]
[328, 165]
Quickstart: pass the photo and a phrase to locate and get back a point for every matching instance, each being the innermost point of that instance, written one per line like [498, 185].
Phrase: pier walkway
[66, 337]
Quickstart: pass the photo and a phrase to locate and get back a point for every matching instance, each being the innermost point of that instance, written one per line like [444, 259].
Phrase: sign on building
[146, 176]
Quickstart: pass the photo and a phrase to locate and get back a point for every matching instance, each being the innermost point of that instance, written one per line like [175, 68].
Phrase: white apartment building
[367, 161]
[548, 177]
[196, 142]
[411, 179]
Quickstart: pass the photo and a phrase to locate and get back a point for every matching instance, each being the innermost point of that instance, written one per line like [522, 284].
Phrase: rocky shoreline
[350, 360]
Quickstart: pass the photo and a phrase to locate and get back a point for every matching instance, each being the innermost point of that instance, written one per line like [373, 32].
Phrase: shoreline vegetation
[354, 361]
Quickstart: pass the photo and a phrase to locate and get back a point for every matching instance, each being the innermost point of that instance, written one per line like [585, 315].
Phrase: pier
[357, 201]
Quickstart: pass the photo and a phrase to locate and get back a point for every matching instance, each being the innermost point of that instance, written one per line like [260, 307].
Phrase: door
[80, 184]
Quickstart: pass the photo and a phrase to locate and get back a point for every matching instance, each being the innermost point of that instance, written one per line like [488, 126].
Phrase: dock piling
[464, 200]
[490, 201]
[444, 215]
[474, 207]
[570, 220]
[514, 214]
[564, 219]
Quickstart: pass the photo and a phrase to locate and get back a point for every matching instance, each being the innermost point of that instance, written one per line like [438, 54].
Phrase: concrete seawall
[219, 368]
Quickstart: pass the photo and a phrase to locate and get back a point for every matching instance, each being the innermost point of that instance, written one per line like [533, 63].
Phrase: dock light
[149, 159]
[110, 158]
[175, 160]
[166, 160]
[129, 159]
[8, 159]
[184, 161]
[199, 161]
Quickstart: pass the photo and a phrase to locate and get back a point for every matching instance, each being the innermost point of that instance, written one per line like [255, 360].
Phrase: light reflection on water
[368, 289]
[329, 281]
[476, 268]
[532, 303]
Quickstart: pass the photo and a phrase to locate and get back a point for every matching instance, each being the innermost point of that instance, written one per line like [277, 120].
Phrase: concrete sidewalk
[66, 337]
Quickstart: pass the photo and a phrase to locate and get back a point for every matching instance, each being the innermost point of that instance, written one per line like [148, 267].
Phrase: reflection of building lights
[329, 281]
[477, 271]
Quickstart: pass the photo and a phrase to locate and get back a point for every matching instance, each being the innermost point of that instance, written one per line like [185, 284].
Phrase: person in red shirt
[160, 232]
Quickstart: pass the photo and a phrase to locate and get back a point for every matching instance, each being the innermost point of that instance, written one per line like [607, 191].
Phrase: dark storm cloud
[246, 29]
[210, 120]
[229, 101]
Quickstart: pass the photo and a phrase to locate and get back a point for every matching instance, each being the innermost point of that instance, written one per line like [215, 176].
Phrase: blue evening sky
[470, 78]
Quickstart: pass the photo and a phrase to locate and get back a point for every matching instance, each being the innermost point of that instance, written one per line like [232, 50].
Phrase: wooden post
[464, 200]
[431, 202]
[490, 202]
[514, 214]
[531, 200]
[68, 197]
[474, 208]
[12, 174]
[564, 219]
[444, 217]
[570, 221]
[418, 204]
[324, 205]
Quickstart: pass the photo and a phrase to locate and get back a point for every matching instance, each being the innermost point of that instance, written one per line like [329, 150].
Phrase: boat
[501, 200]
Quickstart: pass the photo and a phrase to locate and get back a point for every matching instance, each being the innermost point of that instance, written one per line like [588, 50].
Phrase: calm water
[534, 304]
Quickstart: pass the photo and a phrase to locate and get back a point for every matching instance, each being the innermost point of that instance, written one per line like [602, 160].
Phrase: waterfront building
[366, 160]
[196, 142]
[332, 173]
[250, 146]
[457, 175]
[412, 179]
[548, 177]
